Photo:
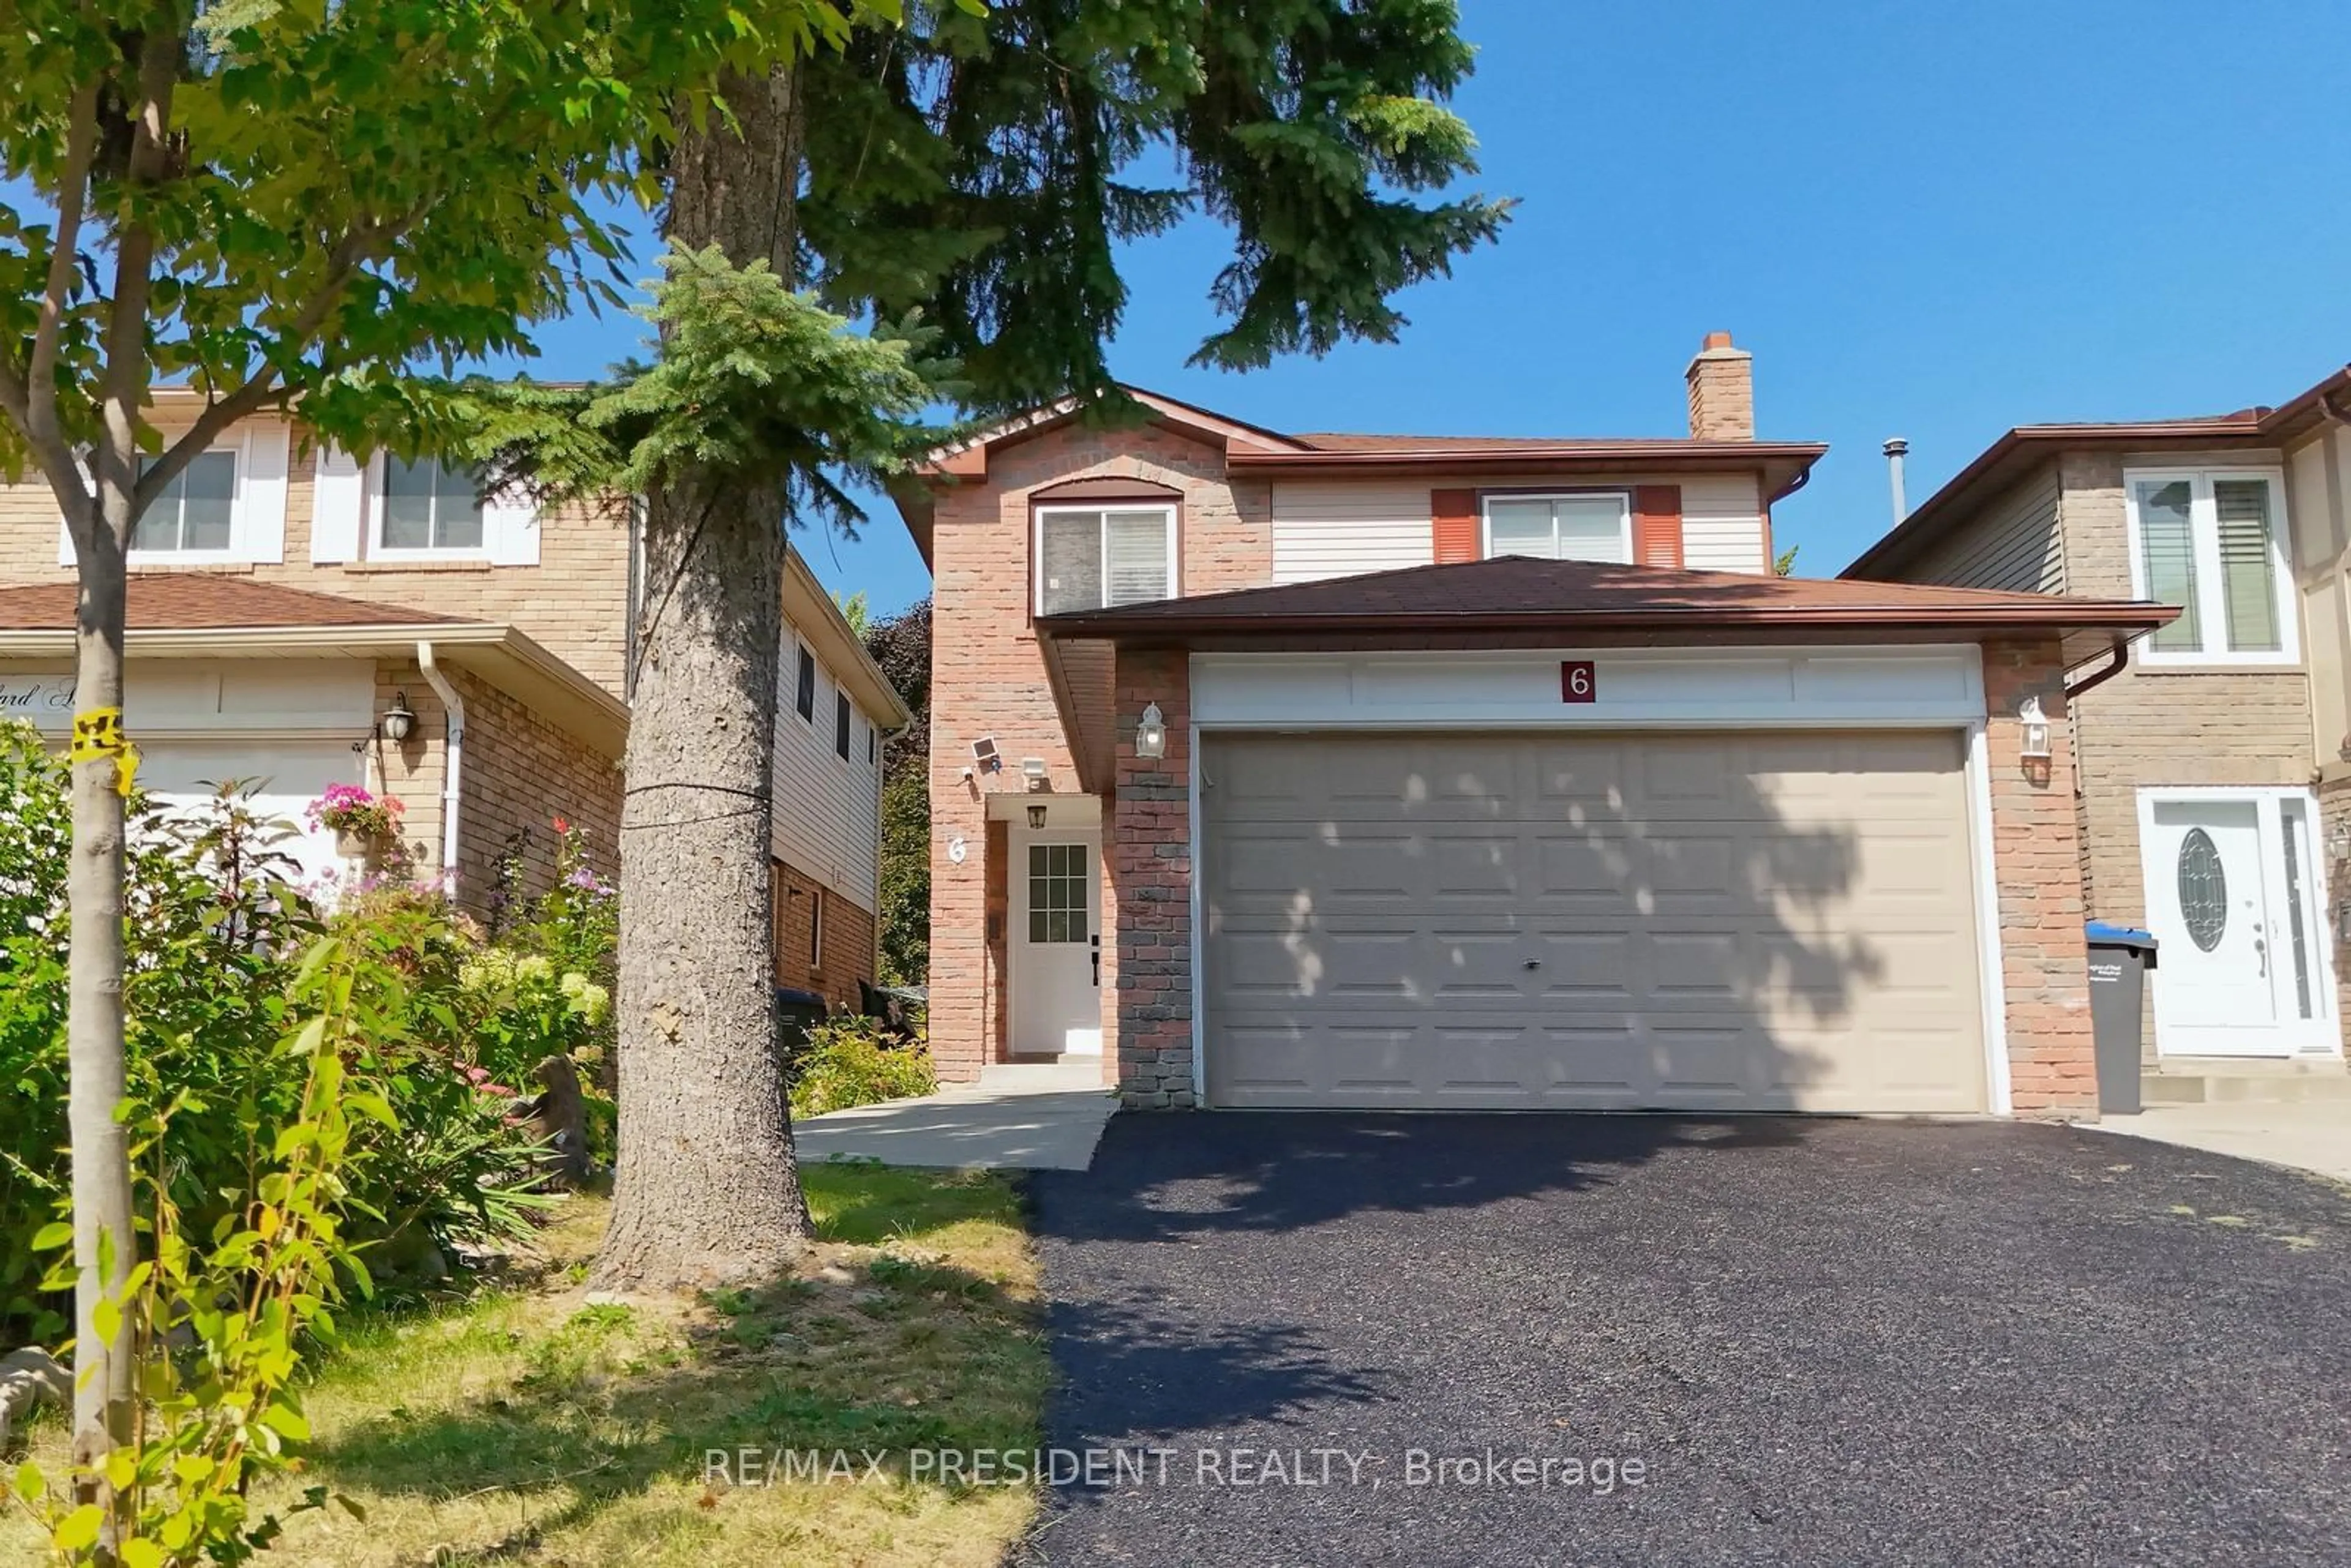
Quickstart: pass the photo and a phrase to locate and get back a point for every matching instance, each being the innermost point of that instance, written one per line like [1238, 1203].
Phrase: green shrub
[848, 1060]
[215, 934]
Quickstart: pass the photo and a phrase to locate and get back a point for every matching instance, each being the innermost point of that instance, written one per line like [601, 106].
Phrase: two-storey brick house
[299, 618]
[2213, 756]
[1319, 770]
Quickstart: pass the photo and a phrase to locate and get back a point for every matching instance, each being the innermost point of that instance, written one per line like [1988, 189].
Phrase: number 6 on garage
[1576, 682]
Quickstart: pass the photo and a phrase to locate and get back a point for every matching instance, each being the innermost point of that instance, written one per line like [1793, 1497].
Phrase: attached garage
[1592, 921]
[1530, 834]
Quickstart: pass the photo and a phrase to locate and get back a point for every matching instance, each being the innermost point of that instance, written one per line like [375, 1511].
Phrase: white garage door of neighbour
[1690, 921]
[291, 774]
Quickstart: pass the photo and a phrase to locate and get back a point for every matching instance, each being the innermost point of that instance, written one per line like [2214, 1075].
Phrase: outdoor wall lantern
[399, 719]
[1036, 816]
[2034, 746]
[2338, 839]
[1151, 732]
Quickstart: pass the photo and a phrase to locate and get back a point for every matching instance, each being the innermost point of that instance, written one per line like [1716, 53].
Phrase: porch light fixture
[2338, 841]
[1036, 816]
[399, 719]
[1151, 734]
[2034, 745]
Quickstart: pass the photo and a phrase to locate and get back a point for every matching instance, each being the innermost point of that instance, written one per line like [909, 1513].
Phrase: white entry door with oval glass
[1056, 946]
[2233, 896]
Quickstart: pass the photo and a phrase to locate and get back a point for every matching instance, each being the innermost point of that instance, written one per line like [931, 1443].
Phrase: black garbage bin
[796, 1012]
[2120, 957]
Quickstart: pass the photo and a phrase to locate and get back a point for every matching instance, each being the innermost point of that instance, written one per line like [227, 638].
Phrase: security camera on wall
[985, 756]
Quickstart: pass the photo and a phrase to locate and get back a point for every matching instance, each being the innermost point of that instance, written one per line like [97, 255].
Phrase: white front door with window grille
[1056, 945]
[2234, 899]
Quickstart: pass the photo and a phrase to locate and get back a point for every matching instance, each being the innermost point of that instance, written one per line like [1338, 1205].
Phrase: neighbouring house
[2213, 754]
[300, 618]
[1324, 770]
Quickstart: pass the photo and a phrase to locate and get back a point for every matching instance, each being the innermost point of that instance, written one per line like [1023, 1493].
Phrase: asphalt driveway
[1820, 1341]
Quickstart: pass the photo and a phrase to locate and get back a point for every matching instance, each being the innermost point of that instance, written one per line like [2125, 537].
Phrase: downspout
[453, 760]
[2096, 678]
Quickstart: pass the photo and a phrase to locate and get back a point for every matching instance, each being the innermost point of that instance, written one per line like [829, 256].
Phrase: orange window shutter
[1454, 516]
[1657, 524]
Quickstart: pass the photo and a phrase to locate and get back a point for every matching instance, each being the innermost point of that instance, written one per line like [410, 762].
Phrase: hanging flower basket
[366, 825]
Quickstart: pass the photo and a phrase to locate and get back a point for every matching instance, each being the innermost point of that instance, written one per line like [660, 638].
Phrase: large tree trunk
[708, 1189]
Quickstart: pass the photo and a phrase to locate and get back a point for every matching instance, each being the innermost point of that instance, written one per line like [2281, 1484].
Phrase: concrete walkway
[2312, 1136]
[1019, 1116]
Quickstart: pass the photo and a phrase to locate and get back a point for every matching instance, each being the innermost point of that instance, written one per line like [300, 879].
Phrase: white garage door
[291, 774]
[1759, 922]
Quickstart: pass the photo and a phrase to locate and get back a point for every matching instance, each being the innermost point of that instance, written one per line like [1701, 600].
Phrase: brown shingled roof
[1515, 593]
[201, 601]
[1347, 441]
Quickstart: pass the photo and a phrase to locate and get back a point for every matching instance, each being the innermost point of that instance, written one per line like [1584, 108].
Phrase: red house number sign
[1576, 682]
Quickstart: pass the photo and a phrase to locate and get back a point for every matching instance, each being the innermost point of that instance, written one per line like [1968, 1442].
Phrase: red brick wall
[1148, 847]
[2037, 860]
[847, 955]
[989, 679]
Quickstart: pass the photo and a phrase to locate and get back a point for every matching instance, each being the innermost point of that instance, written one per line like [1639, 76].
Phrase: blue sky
[1935, 221]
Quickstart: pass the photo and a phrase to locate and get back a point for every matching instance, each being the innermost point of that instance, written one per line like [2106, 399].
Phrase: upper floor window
[428, 506]
[196, 513]
[1092, 557]
[2212, 541]
[840, 724]
[1587, 526]
[804, 696]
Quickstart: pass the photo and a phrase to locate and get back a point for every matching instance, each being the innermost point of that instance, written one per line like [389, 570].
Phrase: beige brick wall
[988, 679]
[2161, 726]
[521, 772]
[574, 601]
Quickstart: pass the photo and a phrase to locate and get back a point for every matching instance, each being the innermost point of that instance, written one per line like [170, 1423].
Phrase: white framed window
[428, 508]
[1589, 525]
[196, 516]
[1092, 558]
[2212, 541]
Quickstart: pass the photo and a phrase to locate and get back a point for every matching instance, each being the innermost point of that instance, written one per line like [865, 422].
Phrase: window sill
[2206, 665]
[156, 566]
[421, 563]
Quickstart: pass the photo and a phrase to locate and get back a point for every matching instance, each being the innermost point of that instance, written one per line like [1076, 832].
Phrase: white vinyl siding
[1722, 523]
[828, 807]
[1324, 529]
[1339, 530]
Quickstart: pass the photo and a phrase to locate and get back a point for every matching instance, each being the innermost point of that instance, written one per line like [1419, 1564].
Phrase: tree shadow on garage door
[1759, 922]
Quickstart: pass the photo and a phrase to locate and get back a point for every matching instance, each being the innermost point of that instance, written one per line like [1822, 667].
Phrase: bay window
[2212, 541]
[1094, 557]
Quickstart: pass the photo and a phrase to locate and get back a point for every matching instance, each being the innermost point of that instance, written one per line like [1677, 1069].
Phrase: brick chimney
[1721, 392]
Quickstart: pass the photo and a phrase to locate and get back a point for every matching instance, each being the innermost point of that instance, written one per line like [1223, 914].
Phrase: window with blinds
[2212, 543]
[1092, 558]
[1583, 527]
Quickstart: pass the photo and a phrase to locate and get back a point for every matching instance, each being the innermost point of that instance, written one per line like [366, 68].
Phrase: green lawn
[526, 1425]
